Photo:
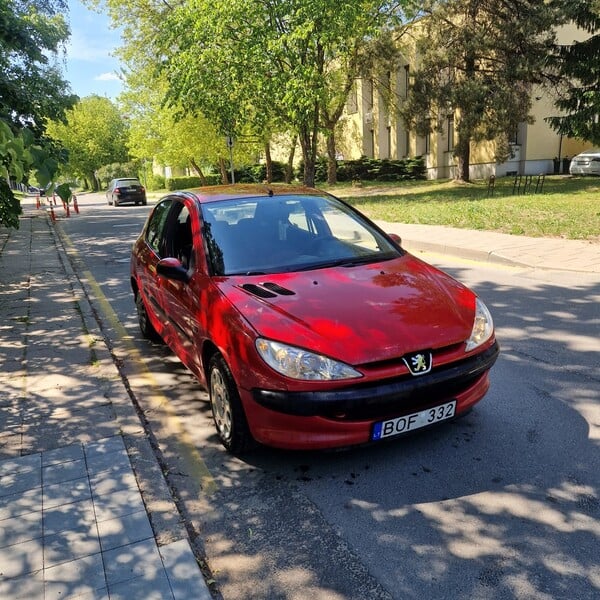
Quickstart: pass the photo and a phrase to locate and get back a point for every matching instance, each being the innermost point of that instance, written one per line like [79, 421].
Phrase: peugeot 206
[309, 326]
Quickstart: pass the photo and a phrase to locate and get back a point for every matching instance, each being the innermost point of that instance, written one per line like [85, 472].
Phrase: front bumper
[381, 399]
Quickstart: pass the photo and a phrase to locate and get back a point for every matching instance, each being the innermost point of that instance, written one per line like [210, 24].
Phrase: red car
[310, 327]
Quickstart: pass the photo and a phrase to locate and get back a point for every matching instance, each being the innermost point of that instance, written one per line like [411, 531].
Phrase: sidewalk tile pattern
[73, 525]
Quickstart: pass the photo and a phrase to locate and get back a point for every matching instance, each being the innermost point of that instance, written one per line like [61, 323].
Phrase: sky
[90, 68]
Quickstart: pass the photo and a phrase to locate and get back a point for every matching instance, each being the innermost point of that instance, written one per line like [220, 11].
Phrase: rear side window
[156, 227]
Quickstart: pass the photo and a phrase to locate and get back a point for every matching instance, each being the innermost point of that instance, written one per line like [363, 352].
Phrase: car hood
[357, 314]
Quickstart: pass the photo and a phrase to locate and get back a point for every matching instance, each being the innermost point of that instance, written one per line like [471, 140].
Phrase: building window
[406, 80]
[450, 133]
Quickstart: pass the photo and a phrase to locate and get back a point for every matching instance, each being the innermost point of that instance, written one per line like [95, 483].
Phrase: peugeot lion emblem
[419, 363]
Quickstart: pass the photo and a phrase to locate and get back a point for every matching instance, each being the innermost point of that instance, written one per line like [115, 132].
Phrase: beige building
[368, 129]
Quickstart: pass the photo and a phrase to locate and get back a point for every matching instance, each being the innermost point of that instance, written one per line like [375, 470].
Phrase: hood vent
[275, 287]
[267, 290]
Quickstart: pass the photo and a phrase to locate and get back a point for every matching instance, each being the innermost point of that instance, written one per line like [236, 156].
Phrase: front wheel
[227, 410]
[146, 327]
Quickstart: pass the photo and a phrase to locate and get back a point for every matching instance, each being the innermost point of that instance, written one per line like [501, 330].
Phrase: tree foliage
[476, 61]
[255, 68]
[579, 65]
[168, 136]
[252, 70]
[95, 134]
[31, 90]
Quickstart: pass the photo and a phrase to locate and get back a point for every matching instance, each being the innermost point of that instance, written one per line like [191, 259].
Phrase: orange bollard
[37, 201]
[54, 198]
[52, 215]
[67, 209]
[75, 206]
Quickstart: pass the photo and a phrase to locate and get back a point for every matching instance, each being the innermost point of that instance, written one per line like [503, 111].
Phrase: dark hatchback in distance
[309, 326]
[126, 189]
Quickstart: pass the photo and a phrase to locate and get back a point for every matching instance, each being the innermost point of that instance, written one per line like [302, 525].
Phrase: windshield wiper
[339, 262]
[355, 260]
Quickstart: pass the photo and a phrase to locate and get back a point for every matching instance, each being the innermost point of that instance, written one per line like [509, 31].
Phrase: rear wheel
[146, 326]
[115, 202]
[227, 410]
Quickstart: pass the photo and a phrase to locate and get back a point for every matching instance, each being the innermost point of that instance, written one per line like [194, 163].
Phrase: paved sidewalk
[500, 248]
[84, 510]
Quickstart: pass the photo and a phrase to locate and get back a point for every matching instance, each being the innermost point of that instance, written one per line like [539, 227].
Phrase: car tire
[116, 202]
[146, 327]
[227, 410]
[144, 202]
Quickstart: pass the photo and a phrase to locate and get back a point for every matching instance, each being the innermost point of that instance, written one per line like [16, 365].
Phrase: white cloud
[110, 76]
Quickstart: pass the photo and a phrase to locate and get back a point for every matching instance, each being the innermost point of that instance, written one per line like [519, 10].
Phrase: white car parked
[586, 163]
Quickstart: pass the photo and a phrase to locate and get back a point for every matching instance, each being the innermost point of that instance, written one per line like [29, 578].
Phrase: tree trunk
[289, 169]
[331, 157]
[198, 170]
[308, 142]
[94, 182]
[463, 155]
[223, 168]
[308, 177]
[269, 162]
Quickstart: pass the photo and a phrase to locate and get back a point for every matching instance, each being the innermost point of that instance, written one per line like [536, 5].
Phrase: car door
[150, 253]
[182, 300]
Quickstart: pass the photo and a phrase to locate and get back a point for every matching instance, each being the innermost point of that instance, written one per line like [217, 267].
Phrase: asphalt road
[504, 503]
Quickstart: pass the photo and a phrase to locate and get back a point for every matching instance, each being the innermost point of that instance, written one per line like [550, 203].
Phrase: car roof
[251, 190]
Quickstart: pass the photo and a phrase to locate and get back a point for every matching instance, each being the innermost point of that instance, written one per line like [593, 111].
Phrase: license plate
[407, 423]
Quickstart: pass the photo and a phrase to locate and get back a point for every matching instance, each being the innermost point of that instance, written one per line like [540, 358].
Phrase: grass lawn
[566, 207]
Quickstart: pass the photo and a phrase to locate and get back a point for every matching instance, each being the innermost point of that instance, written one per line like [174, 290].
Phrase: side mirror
[396, 238]
[171, 268]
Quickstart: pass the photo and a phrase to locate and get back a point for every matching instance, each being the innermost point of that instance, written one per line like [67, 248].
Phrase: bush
[182, 183]
[258, 173]
[371, 169]
[155, 182]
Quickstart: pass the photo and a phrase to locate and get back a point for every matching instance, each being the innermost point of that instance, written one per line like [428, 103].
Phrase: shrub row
[363, 169]
[373, 169]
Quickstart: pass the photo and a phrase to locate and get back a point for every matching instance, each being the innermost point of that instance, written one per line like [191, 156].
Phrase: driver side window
[179, 241]
[156, 226]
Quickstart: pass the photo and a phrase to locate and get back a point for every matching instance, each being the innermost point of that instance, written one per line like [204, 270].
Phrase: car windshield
[289, 233]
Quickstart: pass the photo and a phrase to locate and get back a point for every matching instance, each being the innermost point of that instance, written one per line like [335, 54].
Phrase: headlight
[483, 326]
[300, 364]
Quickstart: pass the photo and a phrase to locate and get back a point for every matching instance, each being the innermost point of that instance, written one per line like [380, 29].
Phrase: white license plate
[407, 423]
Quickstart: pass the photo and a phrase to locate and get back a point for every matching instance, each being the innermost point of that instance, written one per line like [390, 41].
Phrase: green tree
[579, 65]
[273, 65]
[170, 137]
[477, 60]
[31, 90]
[95, 134]
[255, 68]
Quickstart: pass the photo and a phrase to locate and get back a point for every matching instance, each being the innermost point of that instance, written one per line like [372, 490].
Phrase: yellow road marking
[145, 379]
